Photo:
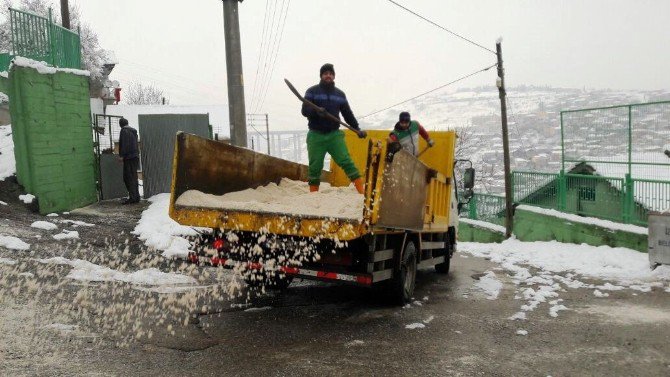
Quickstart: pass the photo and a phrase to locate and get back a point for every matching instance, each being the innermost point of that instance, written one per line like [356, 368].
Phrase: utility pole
[267, 132]
[236, 110]
[65, 13]
[500, 82]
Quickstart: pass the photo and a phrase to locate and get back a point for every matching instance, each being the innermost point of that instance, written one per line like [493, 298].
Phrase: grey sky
[382, 54]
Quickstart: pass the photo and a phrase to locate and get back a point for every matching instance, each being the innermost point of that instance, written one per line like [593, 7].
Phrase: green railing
[618, 199]
[39, 38]
[486, 207]
[5, 59]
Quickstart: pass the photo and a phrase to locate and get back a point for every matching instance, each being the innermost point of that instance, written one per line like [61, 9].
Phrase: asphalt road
[311, 328]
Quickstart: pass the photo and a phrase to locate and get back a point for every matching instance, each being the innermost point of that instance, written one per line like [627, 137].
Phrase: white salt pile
[289, 197]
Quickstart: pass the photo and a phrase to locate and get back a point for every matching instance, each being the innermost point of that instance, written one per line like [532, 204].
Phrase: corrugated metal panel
[157, 133]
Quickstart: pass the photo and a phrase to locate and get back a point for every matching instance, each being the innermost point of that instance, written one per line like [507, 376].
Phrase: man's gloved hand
[362, 134]
[321, 112]
[431, 142]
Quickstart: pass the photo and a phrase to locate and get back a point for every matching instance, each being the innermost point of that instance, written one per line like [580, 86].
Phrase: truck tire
[449, 247]
[402, 287]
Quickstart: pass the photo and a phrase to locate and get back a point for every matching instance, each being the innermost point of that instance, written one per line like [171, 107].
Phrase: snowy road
[455, 326]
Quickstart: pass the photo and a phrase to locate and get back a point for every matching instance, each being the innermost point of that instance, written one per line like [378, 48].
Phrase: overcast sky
[382, 54]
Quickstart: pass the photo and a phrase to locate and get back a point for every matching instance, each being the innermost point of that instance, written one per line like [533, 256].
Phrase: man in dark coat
[324, 135]
[129, 153]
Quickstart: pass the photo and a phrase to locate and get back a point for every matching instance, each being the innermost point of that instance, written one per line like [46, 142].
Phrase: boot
[313, 188]
[360, 187]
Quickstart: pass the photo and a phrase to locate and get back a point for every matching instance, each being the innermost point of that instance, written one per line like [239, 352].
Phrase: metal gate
[109, 171]
[157, 135]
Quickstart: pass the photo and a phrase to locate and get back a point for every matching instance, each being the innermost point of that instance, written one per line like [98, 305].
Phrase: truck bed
[403, 195]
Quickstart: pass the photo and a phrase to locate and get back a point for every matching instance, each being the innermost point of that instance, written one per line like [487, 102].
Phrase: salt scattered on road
[61, 327]
[13, 243]
[44, 225]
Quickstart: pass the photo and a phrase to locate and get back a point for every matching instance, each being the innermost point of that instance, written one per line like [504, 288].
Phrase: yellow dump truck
[408, 214]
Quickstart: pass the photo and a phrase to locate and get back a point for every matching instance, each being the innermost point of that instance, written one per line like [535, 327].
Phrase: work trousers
[318, 144]
[130, 167]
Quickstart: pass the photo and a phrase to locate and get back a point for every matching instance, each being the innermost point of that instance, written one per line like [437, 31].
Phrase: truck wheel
[405, 277]
[443, 268]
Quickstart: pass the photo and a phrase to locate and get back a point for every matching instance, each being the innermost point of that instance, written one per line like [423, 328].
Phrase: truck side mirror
[469, 179]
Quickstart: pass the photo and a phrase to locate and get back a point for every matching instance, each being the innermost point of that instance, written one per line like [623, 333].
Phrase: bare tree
[139, 94]
[467, 146]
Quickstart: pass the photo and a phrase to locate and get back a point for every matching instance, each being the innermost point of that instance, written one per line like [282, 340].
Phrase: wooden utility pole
[236, 108]
[65, 13]
[500, 82]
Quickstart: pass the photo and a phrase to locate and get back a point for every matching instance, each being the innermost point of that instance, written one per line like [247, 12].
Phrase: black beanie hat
[326, 67]
[404, 116]
[123, 122]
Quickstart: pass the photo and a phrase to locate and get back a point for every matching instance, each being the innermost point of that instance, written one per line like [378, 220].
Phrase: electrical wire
[274, 60]
[430, 91]
[269, 47]
[260, 50]
[441, 27]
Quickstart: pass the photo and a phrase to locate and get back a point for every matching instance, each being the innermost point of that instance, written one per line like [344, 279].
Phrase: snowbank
[67, 235]
[483, 224]
[160, 232]
[603, 262]
[490, 284]
[13, 243]
[7, 162]
[87, 271]
[43, 68]
[586, 220]
[289, 197]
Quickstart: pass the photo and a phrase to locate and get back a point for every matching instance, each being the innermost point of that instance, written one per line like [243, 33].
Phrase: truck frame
[409, 217]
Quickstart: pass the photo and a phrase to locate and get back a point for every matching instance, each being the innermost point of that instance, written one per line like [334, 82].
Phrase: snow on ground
[490, 284]
[288, 197]
[586, 220]
[11, 242]
[413, 326]
[483, 224]
[560, 266]
[76, 223]
[44, 225]
[160, 232]
[67, 235]
[7, 261]
[27, 198]
[7, 162]
[261, 309]
[87, 271]
[1, 202]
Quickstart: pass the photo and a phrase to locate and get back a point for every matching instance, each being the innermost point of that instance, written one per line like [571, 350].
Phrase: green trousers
[318, 144]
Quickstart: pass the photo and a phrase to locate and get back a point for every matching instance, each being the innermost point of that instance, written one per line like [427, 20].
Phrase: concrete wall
[532, 226]
[474, 233]
[53, 145]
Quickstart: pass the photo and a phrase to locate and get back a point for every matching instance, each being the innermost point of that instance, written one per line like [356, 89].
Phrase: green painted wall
[531, 226]
[474, 233]
[53, 145]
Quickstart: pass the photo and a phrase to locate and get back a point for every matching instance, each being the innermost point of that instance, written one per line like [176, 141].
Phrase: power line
[441, 27]
[430, 91]
[260, 50]
[274, 60]
[272, 36]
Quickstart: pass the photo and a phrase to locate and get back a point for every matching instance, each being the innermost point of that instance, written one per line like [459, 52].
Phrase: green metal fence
[39, 38]
[626, 199]
[485, 207]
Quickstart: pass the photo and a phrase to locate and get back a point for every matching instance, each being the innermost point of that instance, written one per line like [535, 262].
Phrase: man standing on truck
[130, 155]
[324, 135]
[406, 132]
